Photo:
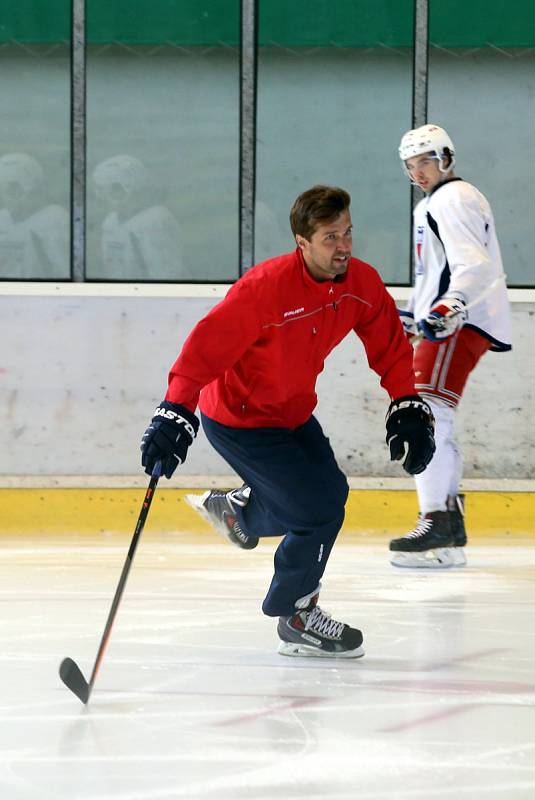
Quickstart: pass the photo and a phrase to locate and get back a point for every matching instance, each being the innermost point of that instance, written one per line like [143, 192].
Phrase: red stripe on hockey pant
[442, 369]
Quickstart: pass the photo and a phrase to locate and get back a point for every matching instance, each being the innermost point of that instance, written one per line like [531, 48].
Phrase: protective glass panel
[35, 142]
[334, 98]
[481, 78]
[163, 140]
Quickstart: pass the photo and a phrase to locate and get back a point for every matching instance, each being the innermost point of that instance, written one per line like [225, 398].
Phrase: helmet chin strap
[448, 169]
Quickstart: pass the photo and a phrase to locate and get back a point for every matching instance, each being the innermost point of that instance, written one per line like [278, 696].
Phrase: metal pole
[78, 140]
[420, 63]
[420, 77]
[248, 73]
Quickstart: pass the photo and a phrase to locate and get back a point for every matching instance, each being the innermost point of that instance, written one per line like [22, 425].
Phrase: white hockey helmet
[427, 139]
[125, 171]
[20, 173]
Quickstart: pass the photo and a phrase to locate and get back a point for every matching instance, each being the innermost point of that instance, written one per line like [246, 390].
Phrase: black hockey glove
[410, 427]
[171, 431]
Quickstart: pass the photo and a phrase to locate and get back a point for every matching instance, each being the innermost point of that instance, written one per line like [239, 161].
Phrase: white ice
[193, 701]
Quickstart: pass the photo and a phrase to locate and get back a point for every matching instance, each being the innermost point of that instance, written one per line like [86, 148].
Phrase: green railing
[284, 23]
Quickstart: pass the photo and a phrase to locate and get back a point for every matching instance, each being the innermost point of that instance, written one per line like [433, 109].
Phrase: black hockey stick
[69, 672]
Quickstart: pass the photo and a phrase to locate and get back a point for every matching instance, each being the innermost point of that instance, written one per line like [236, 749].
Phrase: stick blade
[70, 674]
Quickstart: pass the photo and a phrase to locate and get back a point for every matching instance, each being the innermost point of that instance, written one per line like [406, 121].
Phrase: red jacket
[257, 354]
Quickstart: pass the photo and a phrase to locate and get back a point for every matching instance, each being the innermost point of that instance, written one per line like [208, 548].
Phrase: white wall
[80, 376]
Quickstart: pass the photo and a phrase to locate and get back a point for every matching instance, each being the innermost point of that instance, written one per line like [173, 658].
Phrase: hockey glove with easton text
[444, 318]
[410, 429]
[171, 431]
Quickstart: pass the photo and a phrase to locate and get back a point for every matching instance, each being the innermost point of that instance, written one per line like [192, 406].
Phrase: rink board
[368, 512]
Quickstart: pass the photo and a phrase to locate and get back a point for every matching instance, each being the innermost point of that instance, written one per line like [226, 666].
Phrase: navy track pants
[297, 491]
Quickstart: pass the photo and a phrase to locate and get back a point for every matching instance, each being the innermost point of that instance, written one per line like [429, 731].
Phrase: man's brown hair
[317, 205]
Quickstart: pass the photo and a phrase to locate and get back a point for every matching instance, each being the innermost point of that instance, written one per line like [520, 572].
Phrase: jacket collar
[310, 281]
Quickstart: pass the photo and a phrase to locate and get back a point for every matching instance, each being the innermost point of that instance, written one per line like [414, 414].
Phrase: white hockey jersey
[145, 246]
[35, 247]
[456, 250]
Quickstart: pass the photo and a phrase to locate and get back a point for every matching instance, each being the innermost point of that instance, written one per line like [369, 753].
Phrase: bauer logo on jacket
[294, 312]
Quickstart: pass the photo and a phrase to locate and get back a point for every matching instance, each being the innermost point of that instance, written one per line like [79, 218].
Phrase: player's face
[113, 195]
[328, 251]
[424, 171]
[11, 192]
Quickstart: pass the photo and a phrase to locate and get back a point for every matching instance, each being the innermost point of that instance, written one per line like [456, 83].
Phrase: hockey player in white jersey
[458, 310]
[140, 240]
[34, 234]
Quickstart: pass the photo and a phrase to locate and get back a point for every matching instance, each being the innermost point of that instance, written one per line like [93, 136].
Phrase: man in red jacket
[251, 365]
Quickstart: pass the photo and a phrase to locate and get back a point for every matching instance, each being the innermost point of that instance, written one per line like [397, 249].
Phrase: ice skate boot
[312, 632]
[429, 545]
[219, 509]
[456, 512]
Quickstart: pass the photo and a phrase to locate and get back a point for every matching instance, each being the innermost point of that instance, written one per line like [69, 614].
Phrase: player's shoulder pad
[153, 215]
[53, 214]
[456, 198]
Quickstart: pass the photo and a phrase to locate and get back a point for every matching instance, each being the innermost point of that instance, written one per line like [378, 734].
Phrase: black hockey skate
[430, 544]
[312, 632]
[219, 509]
[456, 512]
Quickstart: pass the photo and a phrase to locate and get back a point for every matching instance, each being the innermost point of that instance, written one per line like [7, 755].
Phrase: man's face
[424, 171]
[328, 251]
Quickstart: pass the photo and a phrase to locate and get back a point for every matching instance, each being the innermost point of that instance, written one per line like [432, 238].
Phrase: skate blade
[196, 501]
[302, 650]
[440, 558]
[459, 557]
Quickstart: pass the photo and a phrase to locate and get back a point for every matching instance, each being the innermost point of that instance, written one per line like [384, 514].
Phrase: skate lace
[421, 529]
[321, 622]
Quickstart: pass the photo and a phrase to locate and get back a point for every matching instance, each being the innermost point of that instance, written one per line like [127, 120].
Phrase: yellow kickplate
[395, 511]
[370, 511]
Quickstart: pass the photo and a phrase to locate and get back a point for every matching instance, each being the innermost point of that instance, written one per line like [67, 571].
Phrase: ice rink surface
[193, 701]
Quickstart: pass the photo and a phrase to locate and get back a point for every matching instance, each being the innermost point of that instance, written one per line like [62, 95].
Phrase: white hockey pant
[443, 474]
